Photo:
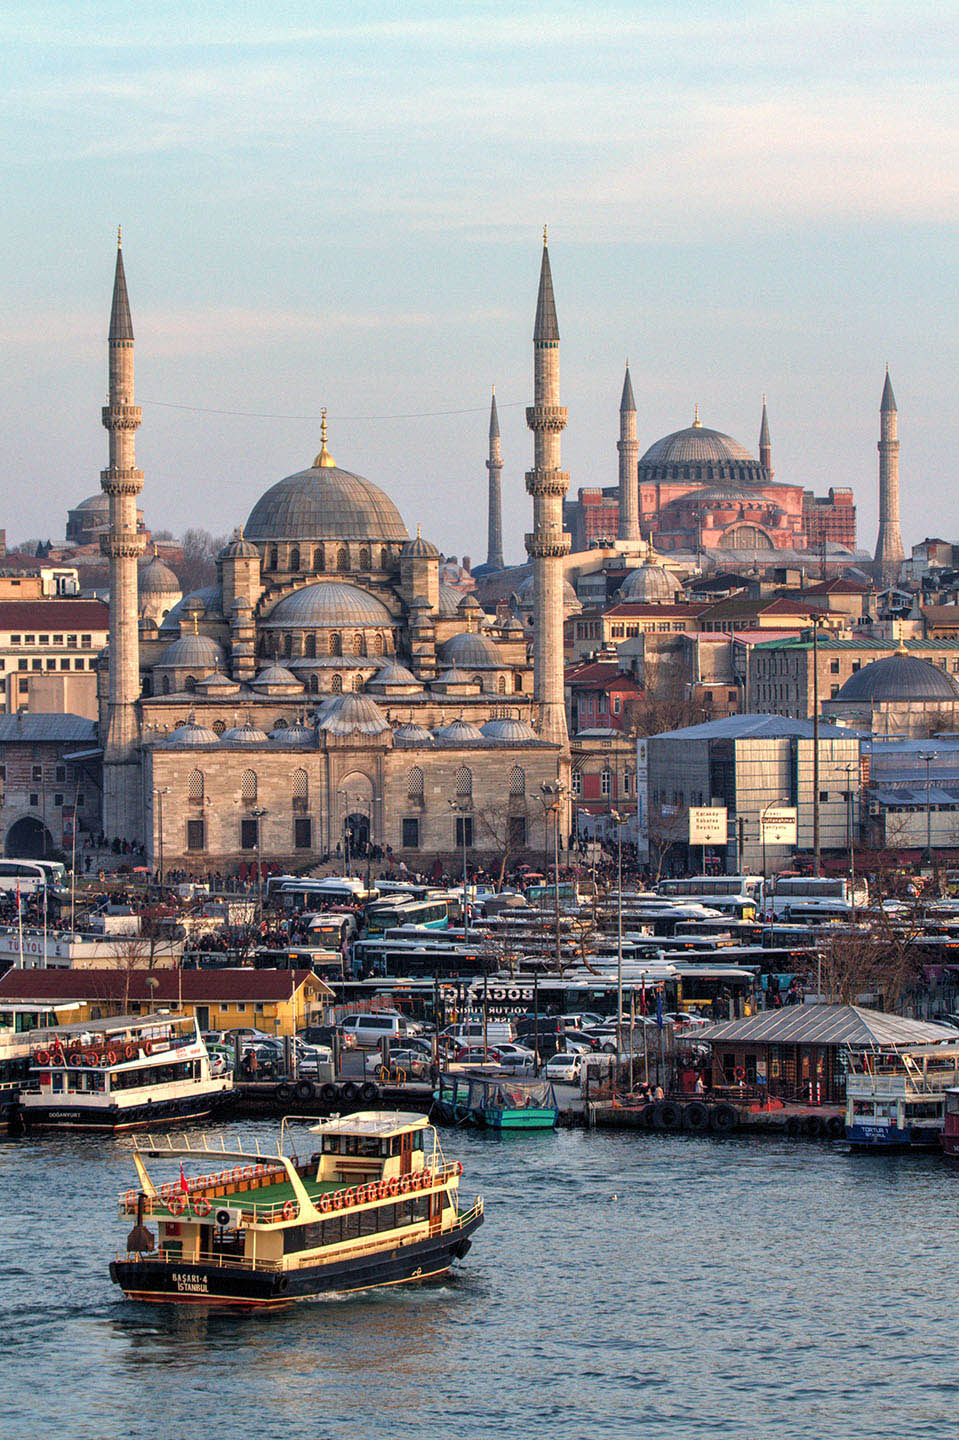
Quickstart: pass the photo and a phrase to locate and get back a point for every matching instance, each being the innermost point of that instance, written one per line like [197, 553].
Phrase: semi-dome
[245, 734]
[449, 598]
[324, 503]
[898, 678]
[328, 602]
[411, 734]
[471, 651]
[276, 677]
[155, 578]
[648, 584]
[458, 732]
[210, 598]
[191, 734]
[508, 730]
[353, 714]
[193, 650]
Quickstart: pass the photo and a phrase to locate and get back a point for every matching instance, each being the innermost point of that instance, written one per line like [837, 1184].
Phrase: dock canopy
[849, 1025]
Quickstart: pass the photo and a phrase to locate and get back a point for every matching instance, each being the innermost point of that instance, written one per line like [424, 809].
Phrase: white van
[369, 1029]
[470, 1032]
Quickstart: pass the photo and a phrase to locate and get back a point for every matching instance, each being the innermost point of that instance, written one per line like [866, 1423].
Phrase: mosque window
[357, 682]
[358, 644]
[309, 646]
[342, 558]
[295, 557]
[280, 724]
[314, 684]
[301, 790]
[319, 558]
[195, 835]
[288, 646]
[411, 833]
[249, 831]
[501, 685]
[166, 684]
[218, 727]
[335, 643]
[414, 784]
[377, 644]
[248, 786]
[271, 558]
[464, 784]
[302, 833]
[336, 685]
[364, 559]
[384, 559]
[517, 782]
[195, 786]
[518, 680]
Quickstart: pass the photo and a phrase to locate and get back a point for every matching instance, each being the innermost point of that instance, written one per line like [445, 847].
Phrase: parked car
[413, 1064]
[473, 1032]
[565, 1065]
[472, 1055]
[245, 1032]
[309, 1059]
[367, 1030]
[516, 1057]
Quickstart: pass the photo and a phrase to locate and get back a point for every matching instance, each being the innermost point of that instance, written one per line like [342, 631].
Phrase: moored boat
[496, 1102]
[377, 1204]
[950, 1130]
[896, 1098]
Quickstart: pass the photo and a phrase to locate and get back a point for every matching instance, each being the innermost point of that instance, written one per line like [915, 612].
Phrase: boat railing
[162, 1256]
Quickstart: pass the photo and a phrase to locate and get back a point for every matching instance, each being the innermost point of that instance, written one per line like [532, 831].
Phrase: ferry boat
[17, 1022]
[950, 1131]
[896, 1097]
[377, 1204]
[124, 1073]
[496, 1102]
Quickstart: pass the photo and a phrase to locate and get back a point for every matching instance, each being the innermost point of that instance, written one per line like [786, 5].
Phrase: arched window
[301, 790]
[248, 786]
[166, 684]
[189, 684]
[314, 684]
[195, 788]
[342, 558]
[357, 681]
[280, 724]
[384, 559]
[364, 559]
[464, 784]
[295, 557]
[319, 558]
[358, 644]
[288, 646]
[518, 680]
[501, 685]
[336, 643]
[271, 558]
[377, 644]
[336, 685]
[309, 646]
[517, 781]
[414, 784]
[218, 727]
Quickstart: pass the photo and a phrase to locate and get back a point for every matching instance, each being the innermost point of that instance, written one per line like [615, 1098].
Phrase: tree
[498, 824]
[197, 569]
[880, 961]
[664, 702]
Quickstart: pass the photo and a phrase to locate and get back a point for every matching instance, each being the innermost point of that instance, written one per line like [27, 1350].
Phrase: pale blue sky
[342, 206]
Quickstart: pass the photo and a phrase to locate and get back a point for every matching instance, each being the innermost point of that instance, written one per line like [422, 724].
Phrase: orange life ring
[393, 1186]
[129, 1052]
[166, 1191]
[382, 1189]
[349, 1198]
[337, 1200]
[405, 1185]
[459, 1167]
[76, 1059]
[237, 1172]
[92, 1057]
[148, 1047]
[289, 1210]
[176, 1204]
[112, 1057]
[427, 1179]
[42, 1057]
[326, 1204]
[201, 1205]
[739, 1073]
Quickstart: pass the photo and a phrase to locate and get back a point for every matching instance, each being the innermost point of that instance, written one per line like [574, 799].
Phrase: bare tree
[664, 702]
[198, 566]
[880, 960]
[509, 839]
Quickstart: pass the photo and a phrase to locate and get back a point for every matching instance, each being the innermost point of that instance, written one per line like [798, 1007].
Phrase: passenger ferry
[120, 1074]
[896, 1098]
[950, 1133]
[377, 1204]
[17, 1023]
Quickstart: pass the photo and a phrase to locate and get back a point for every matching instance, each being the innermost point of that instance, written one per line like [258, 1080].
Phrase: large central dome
[696, 443]
[324, 503]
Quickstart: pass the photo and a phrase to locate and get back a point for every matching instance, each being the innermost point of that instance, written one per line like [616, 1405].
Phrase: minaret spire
[122, 545]
[548, 543]
[494, 547]
[765, 447]
[628, 447]
[889, 549]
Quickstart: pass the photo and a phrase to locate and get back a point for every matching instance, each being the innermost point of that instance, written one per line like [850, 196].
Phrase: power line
[269, 415]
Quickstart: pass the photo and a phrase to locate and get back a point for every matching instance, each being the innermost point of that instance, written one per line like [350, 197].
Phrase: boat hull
[114, 1118]
[176, 1282]
[492, 1118]
[890, 1137]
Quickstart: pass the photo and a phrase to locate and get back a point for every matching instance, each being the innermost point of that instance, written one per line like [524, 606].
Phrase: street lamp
[614, 815]
[462, 807]
[159, 798]
[551, 798]
[928, 756]
[257, 815]
[850, 771]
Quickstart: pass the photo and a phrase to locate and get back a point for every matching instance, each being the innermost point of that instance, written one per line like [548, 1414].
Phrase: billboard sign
[707, 825]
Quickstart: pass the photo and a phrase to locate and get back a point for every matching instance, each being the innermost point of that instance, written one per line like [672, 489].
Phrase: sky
[342, 206]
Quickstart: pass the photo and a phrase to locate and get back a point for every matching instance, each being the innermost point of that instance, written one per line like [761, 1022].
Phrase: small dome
[647, 585]
[458, 732]
[469, 604]
[897, 678]
[524, 594]
[276, 675]
[472, 651]
[191, 734]
[238, 548]
[297, 734]
[217, 681]
[394, 674]
[509, 731]
[411, 734]
[210, 599]
[419, 549]
[353, 714]
[330, 602]
[98, 503]
[245, 734]
[155, 578]
[191, 651]
[449, 598]
[454, 676]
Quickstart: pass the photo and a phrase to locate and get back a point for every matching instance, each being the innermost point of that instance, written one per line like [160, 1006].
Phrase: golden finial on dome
[419, 531]
[119, 237]
[697, 423]
[323, 461]
[196, 626]
[544, 237]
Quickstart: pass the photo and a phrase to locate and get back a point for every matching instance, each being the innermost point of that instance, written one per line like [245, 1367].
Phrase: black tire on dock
[285, 1091]
[369, 1091]
[350, 1092]
[670, 1116]
[794, 1127]
[696, 1116]
[305, 1090]
[835, 1128]
[647, 1117]
[813, 1127]
[329, 1093]
[722, 1119]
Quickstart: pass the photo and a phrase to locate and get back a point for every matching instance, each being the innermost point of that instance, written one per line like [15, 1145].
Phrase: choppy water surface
[622, 1285]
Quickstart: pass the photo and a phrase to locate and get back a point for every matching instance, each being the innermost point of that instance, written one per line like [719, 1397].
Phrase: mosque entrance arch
[28, 839]
[355, 796]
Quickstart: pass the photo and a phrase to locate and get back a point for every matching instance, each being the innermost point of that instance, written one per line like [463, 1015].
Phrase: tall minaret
[122, 481]
[889, 551]
[765, 447]
[628, 447]
[548, 543]
[494, 544]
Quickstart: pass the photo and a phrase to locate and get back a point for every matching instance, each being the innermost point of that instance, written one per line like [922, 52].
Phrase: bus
[304, 894]
[830, 894]
[30, 875]
[385, 915]
[387, 955]
[705, 886]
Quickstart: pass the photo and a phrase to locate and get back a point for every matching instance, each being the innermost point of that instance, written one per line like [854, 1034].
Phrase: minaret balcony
[547, 417]
[122, 417]
[548, 547]
[126, 545]
[121, 482]
[547, 482]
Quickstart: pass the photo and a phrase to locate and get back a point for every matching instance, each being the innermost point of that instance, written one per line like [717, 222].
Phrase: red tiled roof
[54, 615]
[601, 675]
[664, 611]
[192, 986]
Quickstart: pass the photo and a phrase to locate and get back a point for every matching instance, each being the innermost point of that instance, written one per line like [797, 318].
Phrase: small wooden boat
[496, 1102]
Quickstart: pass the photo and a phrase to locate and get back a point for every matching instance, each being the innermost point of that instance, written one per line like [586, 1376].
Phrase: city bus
[703, 887]
[29, 875]
[385, 915]
[829, 894]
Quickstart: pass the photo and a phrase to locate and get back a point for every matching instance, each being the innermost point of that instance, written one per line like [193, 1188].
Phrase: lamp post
[461, 808]
[816, 857]
[928, 756]
[344, 797]
[614, 815]
[159, 798]
[552, 799]
[851, 770]
[257, 815]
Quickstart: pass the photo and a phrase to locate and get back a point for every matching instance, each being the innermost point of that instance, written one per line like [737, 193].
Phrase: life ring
[130, 1199]
[739, 1073]
[337, 1200]
[289, 1210]
[405, 1185]
[249, 1172]
[148, 1047]
[166, 1191]
[92, 1057]
[42, 1057]
[129, 1052]
[237, 1172]
[326, 1204]
[76, 1059]
[176, 1204]
[383, 1189]
[201, 1205]
[112, 1057]
[349, 1198]
[393, 1188]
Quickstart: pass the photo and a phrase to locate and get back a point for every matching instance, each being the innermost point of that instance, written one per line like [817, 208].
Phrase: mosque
[330, 683]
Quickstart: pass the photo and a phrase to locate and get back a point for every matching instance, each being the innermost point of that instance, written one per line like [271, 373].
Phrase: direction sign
[707, 825]
[778, 825]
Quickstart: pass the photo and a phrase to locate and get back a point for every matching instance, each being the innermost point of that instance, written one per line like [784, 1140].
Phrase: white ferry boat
[896, 1097]
[124, 1073]
[377, 1204]
[17, 1023]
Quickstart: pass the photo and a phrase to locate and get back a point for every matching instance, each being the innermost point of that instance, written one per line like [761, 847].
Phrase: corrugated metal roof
[827, 1025]
[756, 727]
[57, 728]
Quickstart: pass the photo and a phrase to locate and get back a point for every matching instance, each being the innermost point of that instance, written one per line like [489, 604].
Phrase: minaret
[889, 551]
[494, 544]
[548, 543]
[765, 447]
[122, 545]
[628, 447]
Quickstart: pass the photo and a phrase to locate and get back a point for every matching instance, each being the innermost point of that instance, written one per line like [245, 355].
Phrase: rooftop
[54, 615]
[757, 727]
[828, 1025]
[155, 986]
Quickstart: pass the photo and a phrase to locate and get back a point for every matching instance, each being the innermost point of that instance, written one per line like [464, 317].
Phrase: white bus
[31, 875]
[704, 886]
[815, 894]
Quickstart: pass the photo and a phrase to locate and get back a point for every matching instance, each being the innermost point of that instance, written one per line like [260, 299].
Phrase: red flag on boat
[183, 1185]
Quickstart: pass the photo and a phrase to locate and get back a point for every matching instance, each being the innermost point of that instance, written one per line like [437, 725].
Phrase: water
[737, 1288]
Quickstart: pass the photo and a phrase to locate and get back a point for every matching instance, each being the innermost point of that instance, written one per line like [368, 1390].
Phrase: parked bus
[30, 875]
[830, 894]
[705, 886]
[385, 915]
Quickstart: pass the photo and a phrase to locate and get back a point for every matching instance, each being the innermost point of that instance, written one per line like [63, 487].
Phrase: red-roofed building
[48, 654]
[597, 694]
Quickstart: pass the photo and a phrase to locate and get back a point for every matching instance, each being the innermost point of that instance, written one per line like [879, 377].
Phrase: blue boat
[496, 1102]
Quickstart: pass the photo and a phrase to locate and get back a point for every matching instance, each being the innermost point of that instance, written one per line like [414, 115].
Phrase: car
[410, 1063]
[309, 1059]
[245, 1032]
[564, 1065]
[219, 1064]
[516, 1057]
[476, 1055]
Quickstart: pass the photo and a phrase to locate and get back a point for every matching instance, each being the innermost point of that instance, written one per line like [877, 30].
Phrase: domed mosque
[900, 694]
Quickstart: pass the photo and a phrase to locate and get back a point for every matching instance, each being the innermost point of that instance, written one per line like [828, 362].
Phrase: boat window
[363, 1145]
